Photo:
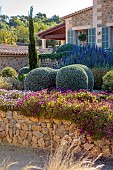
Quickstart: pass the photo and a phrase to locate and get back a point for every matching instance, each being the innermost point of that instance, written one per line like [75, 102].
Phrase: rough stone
[41, 143]
[100, 143]
[2, 114]
[57, 139]
[45, 131]
[9, 139]
[18, 115]
[88, 146]
[36, 128]
[9, 114]
[49, 125]
[57, 121]
[2, 134]
[47, 143]
[6, 120]
[12, 123]
[34, 119]
[15, 139]
[34, 139]
[44, 125]
[18, 125]
[47, 137]
[17, 132]
[25, 126]
[106, 151]
[37, 134]
[19, 140]
[10, 132]
[55, 126]
[23, 134]
[29, 137]
[6, 128]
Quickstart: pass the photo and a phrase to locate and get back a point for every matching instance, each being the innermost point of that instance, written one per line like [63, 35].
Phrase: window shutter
[105, 37]
[91, 36]
[71, 36]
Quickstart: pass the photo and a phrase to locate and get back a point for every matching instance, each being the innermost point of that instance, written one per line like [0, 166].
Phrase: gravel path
[23, 155]
[37, 157]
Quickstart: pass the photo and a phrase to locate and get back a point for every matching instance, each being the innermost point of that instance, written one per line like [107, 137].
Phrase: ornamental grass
[65, 157]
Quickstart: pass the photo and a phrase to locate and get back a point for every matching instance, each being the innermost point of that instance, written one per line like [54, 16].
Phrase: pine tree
[32, 51]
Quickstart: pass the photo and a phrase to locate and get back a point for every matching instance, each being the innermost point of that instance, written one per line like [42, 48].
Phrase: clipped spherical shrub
[71, 77]
[39, 78]
[108, 81]
[52, 77]
[65, 47]
[22, 72]
[98, 74]
[9, 72]
[90, 76]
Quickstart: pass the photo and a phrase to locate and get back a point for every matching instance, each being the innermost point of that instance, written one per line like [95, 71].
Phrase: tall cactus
[32, 51]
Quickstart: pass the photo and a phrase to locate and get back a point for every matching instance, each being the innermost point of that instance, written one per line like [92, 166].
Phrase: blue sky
[49, 7]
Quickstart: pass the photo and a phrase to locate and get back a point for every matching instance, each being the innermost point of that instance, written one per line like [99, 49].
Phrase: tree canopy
[15, 28]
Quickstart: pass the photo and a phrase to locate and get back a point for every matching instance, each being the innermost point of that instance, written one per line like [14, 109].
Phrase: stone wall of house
[83, 19]
[107, 12]
[17, 129]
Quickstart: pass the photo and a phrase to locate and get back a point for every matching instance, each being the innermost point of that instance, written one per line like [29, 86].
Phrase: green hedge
[65, 47]
[53, 55]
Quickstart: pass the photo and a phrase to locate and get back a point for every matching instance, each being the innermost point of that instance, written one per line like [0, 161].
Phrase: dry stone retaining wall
[15, 61]
[19, 61]
[17, 129]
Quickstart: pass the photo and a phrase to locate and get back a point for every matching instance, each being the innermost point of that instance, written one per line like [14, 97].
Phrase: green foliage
[98, 74]
[108, 81]
[22, 34]
[40, 78]
[53, 55]
[9, 72]
[22, 73]
[12, 83]
[15, 28]
[7, 37]
[32, 52]
[90, 112]
[65, 47]
[72, 77]
[82, 37]
[90, 76]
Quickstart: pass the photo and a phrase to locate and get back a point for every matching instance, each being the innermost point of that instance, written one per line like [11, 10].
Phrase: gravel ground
[37, 157]
[22, 155]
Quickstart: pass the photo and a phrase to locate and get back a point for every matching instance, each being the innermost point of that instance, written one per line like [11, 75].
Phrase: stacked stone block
[17, 129]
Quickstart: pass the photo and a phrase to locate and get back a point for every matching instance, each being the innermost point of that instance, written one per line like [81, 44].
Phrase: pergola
[54, 33]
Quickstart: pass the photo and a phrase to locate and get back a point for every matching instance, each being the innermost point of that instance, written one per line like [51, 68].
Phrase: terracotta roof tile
[76, 13]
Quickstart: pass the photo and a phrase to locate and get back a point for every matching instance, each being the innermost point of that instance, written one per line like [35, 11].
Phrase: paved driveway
[23, 155]
[37, 157]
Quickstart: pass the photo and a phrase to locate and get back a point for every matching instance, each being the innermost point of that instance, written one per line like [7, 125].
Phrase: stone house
[95, 21]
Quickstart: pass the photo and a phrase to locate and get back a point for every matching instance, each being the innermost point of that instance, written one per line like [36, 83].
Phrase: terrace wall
[19, 61]
[17, 129]
[15, 61]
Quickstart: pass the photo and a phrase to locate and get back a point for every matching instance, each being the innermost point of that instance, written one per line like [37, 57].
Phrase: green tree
[22, 34]
[32, 51]
[82, 37]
